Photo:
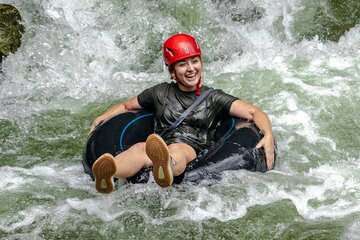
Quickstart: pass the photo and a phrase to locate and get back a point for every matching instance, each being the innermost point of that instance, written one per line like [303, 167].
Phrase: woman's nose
[190, 67]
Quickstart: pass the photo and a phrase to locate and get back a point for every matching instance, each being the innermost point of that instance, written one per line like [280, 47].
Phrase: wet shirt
[168, 102]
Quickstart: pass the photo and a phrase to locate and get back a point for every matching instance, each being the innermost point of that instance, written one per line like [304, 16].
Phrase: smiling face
[187, 72]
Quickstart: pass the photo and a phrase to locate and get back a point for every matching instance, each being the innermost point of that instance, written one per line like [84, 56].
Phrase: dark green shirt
[168, 102]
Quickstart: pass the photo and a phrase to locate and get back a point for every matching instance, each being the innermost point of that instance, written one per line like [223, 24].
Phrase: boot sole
[158, 152]
[104, 170]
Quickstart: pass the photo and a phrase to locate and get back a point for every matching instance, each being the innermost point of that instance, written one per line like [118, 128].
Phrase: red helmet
[180, 46]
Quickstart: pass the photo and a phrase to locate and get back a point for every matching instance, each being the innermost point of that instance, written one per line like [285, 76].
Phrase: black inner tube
[234, 148]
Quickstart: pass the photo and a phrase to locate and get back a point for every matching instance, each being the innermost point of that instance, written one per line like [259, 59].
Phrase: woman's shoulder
[162, 85]
[214, 90]
[218, 95]
[159, 87]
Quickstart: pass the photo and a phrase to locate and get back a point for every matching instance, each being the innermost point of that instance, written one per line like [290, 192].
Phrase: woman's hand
[242, 109]
[97, 122]
[268, 143]
[128, 106]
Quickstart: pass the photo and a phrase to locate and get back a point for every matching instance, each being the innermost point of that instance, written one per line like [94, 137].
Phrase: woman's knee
[137, 151]
[183, 149]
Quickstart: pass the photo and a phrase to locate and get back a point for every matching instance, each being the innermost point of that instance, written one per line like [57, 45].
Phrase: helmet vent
[169, 51]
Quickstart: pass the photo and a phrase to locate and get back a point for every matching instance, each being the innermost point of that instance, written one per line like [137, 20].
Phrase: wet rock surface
[11, 30]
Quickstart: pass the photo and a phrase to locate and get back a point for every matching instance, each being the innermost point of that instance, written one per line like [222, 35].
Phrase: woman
[170, 153]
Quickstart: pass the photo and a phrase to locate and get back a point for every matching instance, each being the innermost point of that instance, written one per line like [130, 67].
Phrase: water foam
[82, 52]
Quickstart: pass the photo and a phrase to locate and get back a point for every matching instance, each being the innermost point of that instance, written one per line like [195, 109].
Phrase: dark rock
[11, 30]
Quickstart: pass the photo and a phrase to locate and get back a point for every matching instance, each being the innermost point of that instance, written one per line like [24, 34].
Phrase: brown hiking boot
[104, 169]
[158, 152]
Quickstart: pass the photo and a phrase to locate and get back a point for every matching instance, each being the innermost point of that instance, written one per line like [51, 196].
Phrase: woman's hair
[171, 68]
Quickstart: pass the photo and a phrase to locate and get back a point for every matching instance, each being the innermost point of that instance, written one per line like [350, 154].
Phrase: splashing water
[79, 57]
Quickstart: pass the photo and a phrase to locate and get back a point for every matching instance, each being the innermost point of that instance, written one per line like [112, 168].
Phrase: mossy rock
[10, 29]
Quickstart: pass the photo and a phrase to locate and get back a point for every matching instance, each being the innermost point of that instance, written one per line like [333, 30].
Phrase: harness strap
[186, 113]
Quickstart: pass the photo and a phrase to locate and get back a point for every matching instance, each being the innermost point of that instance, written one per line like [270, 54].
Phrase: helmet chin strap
[198, 87]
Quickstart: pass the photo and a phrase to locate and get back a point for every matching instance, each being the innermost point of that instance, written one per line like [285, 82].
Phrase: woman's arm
[242, 109]
[130, 105]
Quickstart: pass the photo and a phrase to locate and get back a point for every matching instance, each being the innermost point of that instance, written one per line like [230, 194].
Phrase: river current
[80, 57]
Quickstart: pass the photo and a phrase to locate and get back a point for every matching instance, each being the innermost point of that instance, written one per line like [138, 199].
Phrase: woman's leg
[181, 154]
[167, 160]
[124, 165]
[131, 161]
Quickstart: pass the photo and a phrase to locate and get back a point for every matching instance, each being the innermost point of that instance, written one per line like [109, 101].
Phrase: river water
[79, 57]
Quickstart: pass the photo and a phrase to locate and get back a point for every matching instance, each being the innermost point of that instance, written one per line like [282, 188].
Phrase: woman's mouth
[191, 77]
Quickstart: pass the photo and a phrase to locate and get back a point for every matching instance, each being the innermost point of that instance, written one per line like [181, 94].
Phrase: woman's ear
[172, 75]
